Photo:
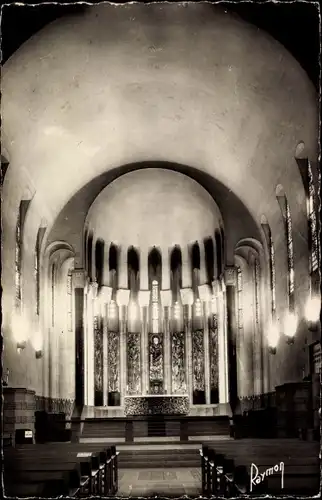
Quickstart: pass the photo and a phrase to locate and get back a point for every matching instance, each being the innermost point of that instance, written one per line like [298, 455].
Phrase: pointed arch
[210, 256]
[287, 219]
[176, 267]
[155, 266]
[218, 253]
[99, 261]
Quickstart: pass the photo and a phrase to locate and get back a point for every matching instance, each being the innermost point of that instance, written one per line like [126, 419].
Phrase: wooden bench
[301, 474]
[97, 471]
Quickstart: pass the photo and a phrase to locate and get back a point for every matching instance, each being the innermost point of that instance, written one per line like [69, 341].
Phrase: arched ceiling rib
[138, 83]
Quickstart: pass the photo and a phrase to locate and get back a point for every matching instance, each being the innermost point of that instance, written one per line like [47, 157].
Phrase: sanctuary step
[130, 429]
[143, 458]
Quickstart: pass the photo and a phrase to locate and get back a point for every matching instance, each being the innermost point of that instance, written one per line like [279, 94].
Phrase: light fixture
[312, 312]
[18, 326]
[198, 307]
[21, 346]
[112, 310]
[176, 311]
[290, 326]
[273, 337]
[37, 342]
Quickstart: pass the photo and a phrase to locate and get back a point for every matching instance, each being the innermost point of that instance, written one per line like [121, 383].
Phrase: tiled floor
[161, 482]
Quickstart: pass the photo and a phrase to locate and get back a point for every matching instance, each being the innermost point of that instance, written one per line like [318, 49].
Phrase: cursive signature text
[257, 477]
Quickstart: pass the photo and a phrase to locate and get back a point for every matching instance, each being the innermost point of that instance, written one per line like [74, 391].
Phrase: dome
[153, 207]
[182, 83]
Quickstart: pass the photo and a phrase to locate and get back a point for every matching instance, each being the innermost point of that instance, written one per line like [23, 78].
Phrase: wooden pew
[100, 467]
[301, 472]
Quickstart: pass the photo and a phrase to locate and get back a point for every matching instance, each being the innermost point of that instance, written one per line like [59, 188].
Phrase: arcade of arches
[159, 213]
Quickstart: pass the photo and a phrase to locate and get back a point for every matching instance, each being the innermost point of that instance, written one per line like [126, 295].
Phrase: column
[167, 351]
[106, 268]
[144, 300]
[202, 274]
[123, 353]
[105, 355]
[206, 344]
[189, 354]
[165, 269]
[166, 298]
[230, 281]
[222, 345]
[186, 267]
[122, 268]
[144, 277]
[78, 283]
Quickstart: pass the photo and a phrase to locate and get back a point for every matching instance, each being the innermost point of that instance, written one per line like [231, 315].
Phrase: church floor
[161, 482]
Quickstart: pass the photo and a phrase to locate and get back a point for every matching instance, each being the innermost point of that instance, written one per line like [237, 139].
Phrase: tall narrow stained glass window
[257, 290]
[272, 275]
[290, 255]
[53, 272]
[70, 303]
[37, 271]
[18, 261]
[240, 298]
[155, 307]
[313, 232]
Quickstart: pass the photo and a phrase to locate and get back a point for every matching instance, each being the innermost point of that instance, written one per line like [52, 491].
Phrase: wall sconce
[21, 346]
[273, 338]
[290, 327]
[39, 354]
[312, 312]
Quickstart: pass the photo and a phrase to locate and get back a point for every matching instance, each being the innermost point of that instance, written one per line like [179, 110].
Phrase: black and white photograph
[160, 249]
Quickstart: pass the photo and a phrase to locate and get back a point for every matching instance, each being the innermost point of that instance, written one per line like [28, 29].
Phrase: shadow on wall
[237, 220]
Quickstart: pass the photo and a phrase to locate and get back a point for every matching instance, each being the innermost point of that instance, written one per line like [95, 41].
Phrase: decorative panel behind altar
[214, 359]
[156, 371]
[198, 363]
[113, 353]
[178, 363]
[98, 362]
[133, 346]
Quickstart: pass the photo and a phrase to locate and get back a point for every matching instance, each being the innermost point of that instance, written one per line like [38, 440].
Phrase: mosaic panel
[156, 405]
[178, 363]
[98, 356]
[213, 357]
[113, 353]
[156, 363]
[133, 363]
[198, 363]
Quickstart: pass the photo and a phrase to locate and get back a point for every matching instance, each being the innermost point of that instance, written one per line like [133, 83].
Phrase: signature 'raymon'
[257, 477]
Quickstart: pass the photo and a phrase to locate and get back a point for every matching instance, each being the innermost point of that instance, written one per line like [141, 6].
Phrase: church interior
[160, 257]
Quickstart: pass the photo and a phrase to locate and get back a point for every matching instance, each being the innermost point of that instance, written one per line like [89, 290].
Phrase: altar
[139, 365]
[170, 404]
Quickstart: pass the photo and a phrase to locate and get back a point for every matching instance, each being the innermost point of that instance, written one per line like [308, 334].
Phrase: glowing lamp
[273, 338]
[198, 308]
[290, 327]
[37, 343]
[176, 311]
[312, 309]
[19, 331]
[112, 310]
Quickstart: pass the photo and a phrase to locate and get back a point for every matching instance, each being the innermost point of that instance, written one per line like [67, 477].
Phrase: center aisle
[150, 482]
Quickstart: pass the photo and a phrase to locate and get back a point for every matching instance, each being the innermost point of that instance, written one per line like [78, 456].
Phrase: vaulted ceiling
[188, 84]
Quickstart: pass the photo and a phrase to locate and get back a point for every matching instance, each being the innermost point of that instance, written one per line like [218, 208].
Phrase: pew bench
[97, 471]
[301, 474]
